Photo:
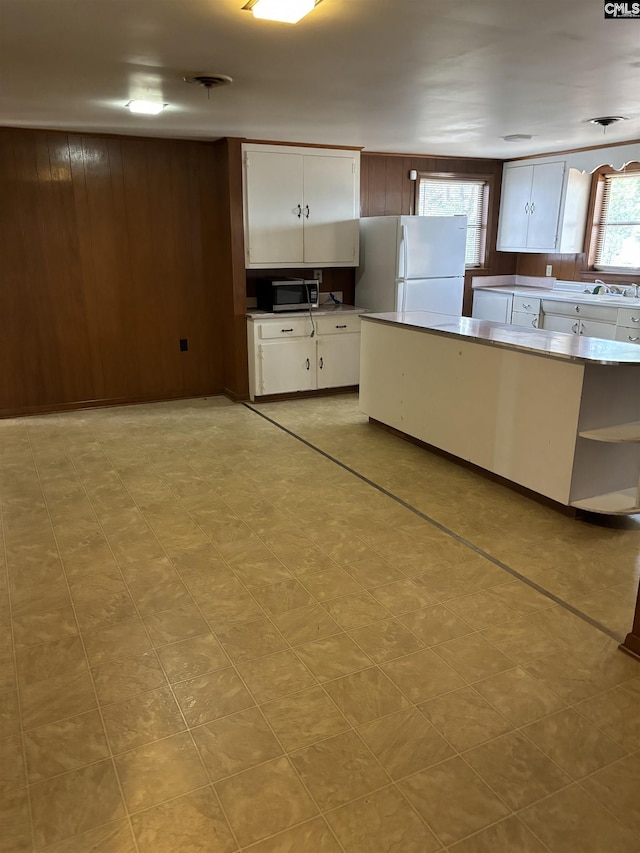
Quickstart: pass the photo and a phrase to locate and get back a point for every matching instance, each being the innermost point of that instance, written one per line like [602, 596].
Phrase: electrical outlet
[317, 274]
[549, 270]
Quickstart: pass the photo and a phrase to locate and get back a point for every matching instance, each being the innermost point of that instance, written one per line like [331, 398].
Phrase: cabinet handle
[577, 307]
[526, 207]
[533, 207]
[342, 327]
[526, 305]
[633, 338]
[308, 365]
[574, 328]
[635, 319]
[306, 211]
[299, 208]
[534, 322]
[286, 330]
[321, 362]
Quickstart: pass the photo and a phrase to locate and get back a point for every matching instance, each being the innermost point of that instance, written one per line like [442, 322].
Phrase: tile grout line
[443, 528]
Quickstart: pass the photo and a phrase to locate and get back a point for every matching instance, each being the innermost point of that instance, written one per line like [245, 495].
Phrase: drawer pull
[577, 308]
[635, 319]
[526, 305]
[342, 327]
[286, 330]
[633, 338]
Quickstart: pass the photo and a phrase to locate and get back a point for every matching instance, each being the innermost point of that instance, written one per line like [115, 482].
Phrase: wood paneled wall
[105, 264]
[385, 189]
[568, 268]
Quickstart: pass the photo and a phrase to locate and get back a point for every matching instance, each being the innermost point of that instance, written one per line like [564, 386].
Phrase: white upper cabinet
[301, 206]
[543, 208]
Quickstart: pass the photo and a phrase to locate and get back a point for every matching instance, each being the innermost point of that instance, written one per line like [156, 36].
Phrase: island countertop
[538, 341]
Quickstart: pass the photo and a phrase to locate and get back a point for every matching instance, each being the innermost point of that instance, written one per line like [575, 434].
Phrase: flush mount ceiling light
[605, 121]
[148, 108]
[517, 137]
[287, 11]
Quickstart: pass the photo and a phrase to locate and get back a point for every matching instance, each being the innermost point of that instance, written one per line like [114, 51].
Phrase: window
[443, 195]
[615, 242]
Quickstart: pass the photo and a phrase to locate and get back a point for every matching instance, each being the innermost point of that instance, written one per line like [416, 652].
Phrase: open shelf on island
[623, 502]
[617, 432]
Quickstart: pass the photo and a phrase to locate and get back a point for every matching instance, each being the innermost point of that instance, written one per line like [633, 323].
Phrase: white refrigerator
[412, 263]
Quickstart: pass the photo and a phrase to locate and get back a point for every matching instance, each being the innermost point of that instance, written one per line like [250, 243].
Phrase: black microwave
[287, 294]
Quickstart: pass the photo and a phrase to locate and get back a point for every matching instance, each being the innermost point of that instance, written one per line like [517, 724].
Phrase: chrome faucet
[636, 290]
[601, 287]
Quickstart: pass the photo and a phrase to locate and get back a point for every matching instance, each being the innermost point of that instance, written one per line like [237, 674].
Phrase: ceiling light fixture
[286, 11]
[148, 108]
[517, 137]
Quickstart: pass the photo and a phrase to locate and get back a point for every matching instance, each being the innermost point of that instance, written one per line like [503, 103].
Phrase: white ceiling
[415, 76]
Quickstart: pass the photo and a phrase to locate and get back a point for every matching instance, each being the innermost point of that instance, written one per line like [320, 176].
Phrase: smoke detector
[207, 81]
[605, 121]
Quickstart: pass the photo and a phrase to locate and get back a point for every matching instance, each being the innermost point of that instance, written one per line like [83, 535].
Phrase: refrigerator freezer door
[442, 295]
[432, 246]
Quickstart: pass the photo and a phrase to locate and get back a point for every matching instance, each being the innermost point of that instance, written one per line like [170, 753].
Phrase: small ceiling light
[148, 108]
[517, 137]
[287, 11]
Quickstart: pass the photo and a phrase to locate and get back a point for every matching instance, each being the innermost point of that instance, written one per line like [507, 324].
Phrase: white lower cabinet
[285, 358]
[285, 366]
[488, 305]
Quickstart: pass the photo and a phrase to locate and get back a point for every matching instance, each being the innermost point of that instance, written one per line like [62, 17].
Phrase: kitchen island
[557, 414]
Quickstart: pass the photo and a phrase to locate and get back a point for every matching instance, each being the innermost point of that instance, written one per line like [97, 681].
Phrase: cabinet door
[339, 360]
[514, 207]
[286, 366]
[556, 323]
[273, 208]
[330, 223]
[594, 329]
[492, 306]
[546, 196]
[521, 318]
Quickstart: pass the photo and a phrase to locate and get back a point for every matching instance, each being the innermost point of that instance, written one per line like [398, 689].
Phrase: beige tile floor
[214, 638]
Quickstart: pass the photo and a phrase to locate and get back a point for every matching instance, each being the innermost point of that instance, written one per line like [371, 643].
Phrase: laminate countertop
[580, 297]
[320, 311]
[538, 341]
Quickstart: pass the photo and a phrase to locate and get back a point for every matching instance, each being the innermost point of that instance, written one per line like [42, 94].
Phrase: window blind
[618, 233]
[455, 197]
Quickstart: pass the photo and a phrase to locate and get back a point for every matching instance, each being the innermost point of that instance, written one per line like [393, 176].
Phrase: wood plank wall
[568, 268]
[385, 189]
[103, 268]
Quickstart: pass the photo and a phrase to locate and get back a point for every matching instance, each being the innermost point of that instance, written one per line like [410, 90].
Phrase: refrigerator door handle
[405, 249]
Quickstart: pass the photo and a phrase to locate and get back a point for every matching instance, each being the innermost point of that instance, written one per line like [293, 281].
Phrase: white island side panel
[512, 413]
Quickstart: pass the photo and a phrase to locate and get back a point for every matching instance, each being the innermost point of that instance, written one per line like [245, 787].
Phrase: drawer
[520, 318]
[628, 336]
[583, 310]
[297, 327]
[526, 304]
[629, 317]
[338, 325]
